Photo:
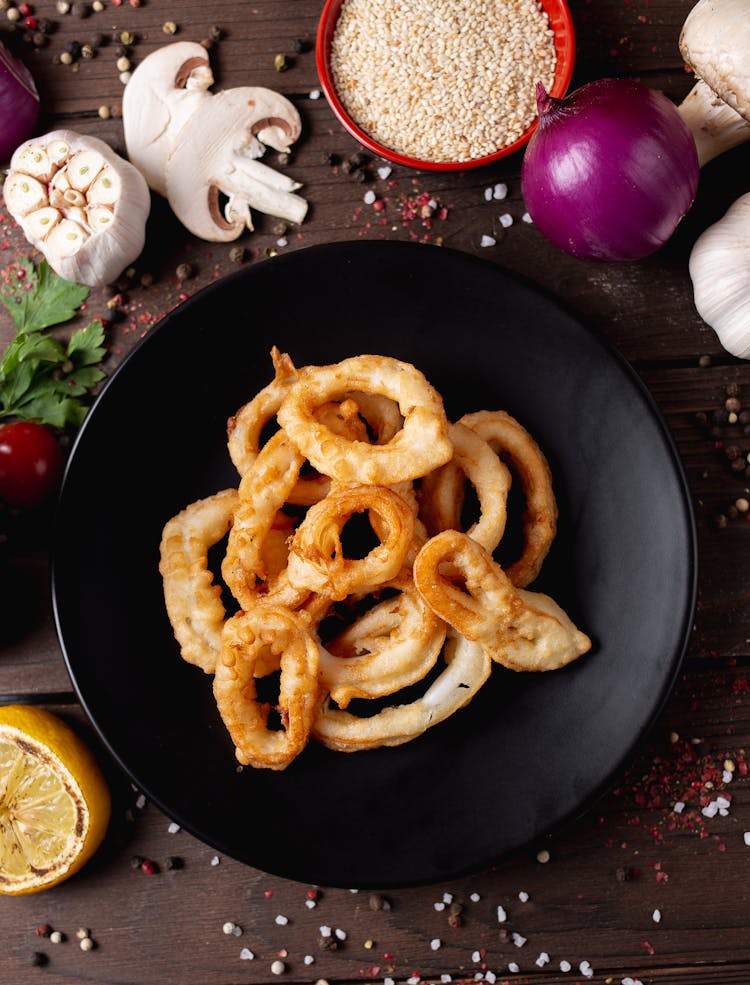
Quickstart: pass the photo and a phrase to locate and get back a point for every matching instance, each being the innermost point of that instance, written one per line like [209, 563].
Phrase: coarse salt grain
[476, 957]
[500, 191]
[439, 906]
[447, 897]
[369, 197]
[490, 977]
[565, 966]
[388, 981]
[518, 940]
[315, 94]
[436, 944]
[309, 959]
[340, 934]
[445, 978]
[246, 954]
[421, 78]
[523, 896]
[513, 968]
[475, 897]
[281, 920]
[140, 802]
[310, 904]
[746, 838]
[173, 828]
[215, 860]
[502, 916]
[679, 807]
[506, 220]
[487, 241]
[542, 960]
[656, 916]
[278, 968]
[488, 194]
[586, 970]
[384, 172]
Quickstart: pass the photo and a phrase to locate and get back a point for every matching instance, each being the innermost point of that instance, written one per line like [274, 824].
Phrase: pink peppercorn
[24, 9]
[378, 205]
[149, 867]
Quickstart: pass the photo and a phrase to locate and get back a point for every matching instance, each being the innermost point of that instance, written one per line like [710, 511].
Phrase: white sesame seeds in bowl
[442, 85]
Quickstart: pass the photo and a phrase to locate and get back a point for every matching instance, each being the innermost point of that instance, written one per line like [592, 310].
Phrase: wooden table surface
[631, 892]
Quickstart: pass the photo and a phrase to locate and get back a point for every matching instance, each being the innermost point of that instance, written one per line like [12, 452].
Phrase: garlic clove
[66, 238]
[38, 224]
[88, 217]
[106, 189]
[99, 218]
[36, 162]
[83, 168]
[24, 194]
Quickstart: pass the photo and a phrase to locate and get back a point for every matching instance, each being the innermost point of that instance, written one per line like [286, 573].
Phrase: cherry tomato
[31, 463]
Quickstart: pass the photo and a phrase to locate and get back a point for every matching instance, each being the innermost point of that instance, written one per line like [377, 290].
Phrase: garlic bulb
[78, 203]
[720, 271]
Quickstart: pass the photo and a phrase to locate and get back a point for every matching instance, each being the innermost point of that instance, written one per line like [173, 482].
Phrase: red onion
[610, 170]
[19, 103]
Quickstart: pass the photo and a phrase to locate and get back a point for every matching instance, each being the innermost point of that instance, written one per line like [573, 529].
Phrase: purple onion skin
[19, 103]
[610, 170]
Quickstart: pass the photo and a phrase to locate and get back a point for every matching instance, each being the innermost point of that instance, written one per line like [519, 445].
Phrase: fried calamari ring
[442, 490]
[513, 443]
[244, 428]
[193, 601]
[393, 645]
[316, 556]
[267, 637]
[467, 667]
[262, 493]
[520, 630]
[421, 445]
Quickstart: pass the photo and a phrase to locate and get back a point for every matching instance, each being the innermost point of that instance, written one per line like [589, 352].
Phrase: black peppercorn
[301, 46]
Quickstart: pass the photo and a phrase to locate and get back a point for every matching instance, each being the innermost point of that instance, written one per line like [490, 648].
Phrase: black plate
[531, 750]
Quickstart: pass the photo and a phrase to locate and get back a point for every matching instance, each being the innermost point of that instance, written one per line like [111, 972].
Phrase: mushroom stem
[715, 126]
[242, 185]
[255, 169]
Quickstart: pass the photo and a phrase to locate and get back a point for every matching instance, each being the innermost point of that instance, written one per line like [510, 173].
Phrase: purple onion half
[610, 171]
[19, 103]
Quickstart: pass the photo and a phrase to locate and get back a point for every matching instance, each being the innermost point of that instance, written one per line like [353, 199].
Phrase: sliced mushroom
[161, 95]
[201, 149]
[84, 207]
[715, 43]
[216, 155]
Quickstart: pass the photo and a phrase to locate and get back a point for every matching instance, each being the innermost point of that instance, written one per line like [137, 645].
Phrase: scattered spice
[281, 63]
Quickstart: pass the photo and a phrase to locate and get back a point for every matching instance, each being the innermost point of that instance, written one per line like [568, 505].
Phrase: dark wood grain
[627, 856]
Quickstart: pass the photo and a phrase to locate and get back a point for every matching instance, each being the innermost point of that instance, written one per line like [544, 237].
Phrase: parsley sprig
[41, 378]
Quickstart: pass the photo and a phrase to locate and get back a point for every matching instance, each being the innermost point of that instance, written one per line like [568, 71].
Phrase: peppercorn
[281, 63]
[704, 361]
[122, 64]
[98, 40]
[80, 9]
[25, 9]
[237, 254]
[38, 959]
[332, 160]
[732, 405]
[184, 271]
[104, 113]
[279, 228]
[701, 417]
[454, 920]
[126, 37]
[173, 863]
[87, 52]
[732, 452]
[169, 27]
[13, 14]
[66, 58]
[301, 46]
[39, 39]
[732, 389]
[43, 930]
[359, 160]
[45, 25]
[149, 867]
[137, 861]
[328, 944]
[720, 521]
[738, 464]
[63, 7]
[376, 902]
[215, 33]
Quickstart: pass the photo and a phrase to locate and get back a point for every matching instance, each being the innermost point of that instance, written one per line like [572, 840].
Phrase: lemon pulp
[54, 802]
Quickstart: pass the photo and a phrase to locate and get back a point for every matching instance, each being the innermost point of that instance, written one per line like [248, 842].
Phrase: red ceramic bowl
[561, 23]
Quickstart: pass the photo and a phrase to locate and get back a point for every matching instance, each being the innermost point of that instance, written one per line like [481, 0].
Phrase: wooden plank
[580, 905]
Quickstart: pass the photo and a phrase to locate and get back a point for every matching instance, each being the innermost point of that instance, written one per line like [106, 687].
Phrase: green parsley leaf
[41, 378]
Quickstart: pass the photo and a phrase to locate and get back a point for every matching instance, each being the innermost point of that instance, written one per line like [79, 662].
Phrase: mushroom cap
[715, 43]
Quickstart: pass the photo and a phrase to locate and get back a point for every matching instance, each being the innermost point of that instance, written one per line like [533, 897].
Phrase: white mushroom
[200, 149]
[715, 43]
[216, 155]
[79, 203]
[162, 92]
[720, 271]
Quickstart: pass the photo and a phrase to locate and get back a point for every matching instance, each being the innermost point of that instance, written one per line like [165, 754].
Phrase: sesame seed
[447, 81]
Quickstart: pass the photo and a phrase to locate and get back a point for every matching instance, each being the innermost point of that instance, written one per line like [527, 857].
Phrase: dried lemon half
[54, 800]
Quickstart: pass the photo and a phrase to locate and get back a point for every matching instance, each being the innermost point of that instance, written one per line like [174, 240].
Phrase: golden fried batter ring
[192, 599]
[442, 490]
[267, 638]
[514, 444]
[467, 667]
[519, 629]
[316, 556]
[262, 492]
[391, 646]
[421, 445]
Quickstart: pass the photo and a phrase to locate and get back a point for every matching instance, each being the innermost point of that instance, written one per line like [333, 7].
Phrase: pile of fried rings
[366, 436]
